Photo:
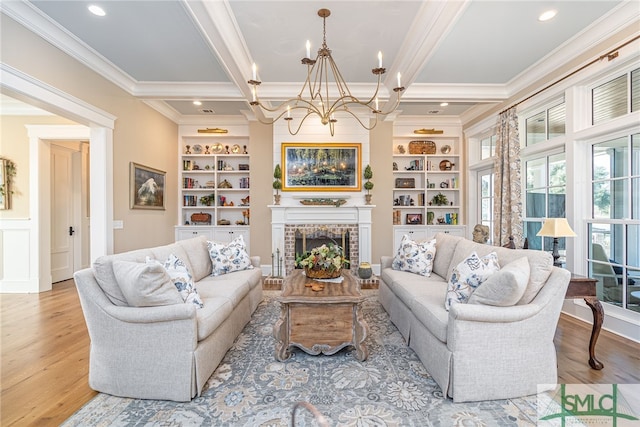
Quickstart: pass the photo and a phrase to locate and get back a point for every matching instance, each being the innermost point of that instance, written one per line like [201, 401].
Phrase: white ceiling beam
[432, 24]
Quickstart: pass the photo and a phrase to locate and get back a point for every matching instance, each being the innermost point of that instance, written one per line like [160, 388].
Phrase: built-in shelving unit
[421, 179]
[214, 181]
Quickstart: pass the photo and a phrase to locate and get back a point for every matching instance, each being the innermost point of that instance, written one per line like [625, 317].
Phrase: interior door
[62, 226]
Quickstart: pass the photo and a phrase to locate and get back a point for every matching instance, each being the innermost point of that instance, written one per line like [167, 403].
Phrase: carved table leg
[280, 333]
[598, 316]
[360, 333]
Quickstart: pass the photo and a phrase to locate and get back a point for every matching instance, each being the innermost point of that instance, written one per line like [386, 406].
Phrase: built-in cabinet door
[421, 233]
[415, 233]
[190, 232]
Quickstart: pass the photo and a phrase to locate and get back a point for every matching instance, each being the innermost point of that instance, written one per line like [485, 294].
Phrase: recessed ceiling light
[197, 103]
[97, 10]
[444, 104]
[547, 15]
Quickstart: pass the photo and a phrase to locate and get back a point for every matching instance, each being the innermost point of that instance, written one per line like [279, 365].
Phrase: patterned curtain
[507, 206]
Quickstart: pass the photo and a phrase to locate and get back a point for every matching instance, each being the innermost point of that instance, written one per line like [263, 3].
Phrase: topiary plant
[277, 174]
[368, 174]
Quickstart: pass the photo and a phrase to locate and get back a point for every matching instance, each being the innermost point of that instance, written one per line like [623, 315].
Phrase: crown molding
[213, 91]
[617, 19]
[164, 109]
[35, 21]
[427, 92]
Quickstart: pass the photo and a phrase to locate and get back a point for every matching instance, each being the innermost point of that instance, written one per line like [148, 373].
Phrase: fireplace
[354, 221]
[299, 238]
[305, 240]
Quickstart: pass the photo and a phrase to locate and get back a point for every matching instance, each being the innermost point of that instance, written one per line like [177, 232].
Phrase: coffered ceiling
[172, 52]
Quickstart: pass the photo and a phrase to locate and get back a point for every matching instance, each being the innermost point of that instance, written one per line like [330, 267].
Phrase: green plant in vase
[277, 183]
[368, 174]
[208, 200]
[440, 200]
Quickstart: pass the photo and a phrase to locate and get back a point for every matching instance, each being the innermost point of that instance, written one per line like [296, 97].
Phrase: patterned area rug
[250, 388]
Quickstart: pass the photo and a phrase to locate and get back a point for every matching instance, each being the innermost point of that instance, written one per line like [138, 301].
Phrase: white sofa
[164, 352]
[478, 352]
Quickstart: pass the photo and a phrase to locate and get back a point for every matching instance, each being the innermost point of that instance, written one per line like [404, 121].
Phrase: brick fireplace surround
[285, 220]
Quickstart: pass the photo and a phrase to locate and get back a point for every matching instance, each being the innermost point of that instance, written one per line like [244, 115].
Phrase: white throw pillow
[181, 278]
[145, 285]
[228, 258]
[415, 257]
[468, 275]
[504, 288]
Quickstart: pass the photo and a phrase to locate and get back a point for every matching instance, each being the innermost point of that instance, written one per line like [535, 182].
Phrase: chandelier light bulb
[308, 49]
[399, 85]
[379, 59]
[288, 111]
[254, 68]
[377, 104]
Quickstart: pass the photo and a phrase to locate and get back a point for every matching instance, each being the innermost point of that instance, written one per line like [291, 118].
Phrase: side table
[585, 287]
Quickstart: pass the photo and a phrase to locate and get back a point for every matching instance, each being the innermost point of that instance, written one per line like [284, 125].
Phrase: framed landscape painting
[321, 167]
[146, 187]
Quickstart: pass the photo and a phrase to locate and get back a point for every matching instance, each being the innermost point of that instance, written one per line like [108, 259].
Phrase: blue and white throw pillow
[468, 275]
[228, 258]
[415, 257]
[181, 278]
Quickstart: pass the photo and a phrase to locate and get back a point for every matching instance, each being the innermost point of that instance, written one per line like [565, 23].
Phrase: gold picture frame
[147, 186]
[321, 166]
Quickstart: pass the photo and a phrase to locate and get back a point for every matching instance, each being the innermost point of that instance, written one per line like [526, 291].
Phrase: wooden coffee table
[320, 321]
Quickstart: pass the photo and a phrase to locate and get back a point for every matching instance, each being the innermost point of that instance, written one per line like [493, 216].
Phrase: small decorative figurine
[188, 150]
[206, 149]
[245, 149]
[227, 148]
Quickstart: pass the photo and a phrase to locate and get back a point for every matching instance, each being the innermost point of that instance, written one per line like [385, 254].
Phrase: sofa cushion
[103, 272]
[198, 255]
[212, 315]
[428, 309]
[233, 286]
[176, 249]
[415, 257]
[181, 278]
[468, 275]
[145, 285]
[504, 288]
[445, 247]
[540, 263]
[228, 258]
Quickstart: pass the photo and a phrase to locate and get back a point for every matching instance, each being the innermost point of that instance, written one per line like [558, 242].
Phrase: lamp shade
[556, 227]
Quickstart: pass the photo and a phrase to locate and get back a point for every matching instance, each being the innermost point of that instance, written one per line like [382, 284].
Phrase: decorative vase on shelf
[367, 198]
[365, 271]
[276, 198]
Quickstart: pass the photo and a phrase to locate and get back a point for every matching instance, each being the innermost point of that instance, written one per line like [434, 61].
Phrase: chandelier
[318, 91]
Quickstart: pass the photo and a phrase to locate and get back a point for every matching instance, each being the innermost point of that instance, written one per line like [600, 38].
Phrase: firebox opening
[305, 241]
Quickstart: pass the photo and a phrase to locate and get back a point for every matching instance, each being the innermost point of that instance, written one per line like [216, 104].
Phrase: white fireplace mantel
[282, 215]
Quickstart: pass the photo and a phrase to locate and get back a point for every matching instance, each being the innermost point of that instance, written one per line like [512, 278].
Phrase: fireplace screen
[305, 240]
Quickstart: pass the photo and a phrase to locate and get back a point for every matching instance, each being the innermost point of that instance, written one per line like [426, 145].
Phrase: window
[612, 99]
[488, 147]
[545, 197]
[614, 230]
[546, 125]
[485, 181]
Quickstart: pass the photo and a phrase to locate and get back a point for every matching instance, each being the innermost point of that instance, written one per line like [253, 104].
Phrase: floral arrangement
[328, 258]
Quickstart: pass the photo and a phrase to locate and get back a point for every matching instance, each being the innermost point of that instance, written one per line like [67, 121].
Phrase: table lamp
[556, 227]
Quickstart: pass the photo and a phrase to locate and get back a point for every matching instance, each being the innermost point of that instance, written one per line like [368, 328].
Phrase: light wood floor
[45, 357]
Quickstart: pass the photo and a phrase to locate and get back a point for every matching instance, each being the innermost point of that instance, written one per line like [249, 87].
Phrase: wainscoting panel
[16, 263]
